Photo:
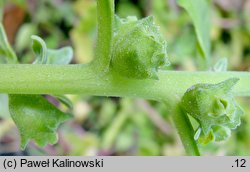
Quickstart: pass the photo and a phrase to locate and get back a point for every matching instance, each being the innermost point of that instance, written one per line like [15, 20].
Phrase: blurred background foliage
[121, 126]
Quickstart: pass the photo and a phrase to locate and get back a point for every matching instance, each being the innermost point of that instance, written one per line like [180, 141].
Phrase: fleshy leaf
[36, 119]
[198, 10]
[7, 55]
[50, 56]
[139, 49]
[214, 107]
[61, 56]
[40, 49]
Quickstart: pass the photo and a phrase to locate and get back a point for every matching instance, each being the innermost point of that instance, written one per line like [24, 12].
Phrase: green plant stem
[83, 79]
[105, 17]
[185, 131]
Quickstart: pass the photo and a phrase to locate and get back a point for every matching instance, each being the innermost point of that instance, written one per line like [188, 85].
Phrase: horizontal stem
[83, 79]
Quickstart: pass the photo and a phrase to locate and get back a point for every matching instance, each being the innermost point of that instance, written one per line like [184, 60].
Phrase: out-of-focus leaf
[183, 47]
[84, 54]
[36, 119]
[237, 47]
[21, 3]
[6, 52]
[86, 9]
[63, 99]
[199, 13]
[117, 124]
[49, 12]
[246, 14]
[112, 132]
[60, 56]
[160, 12]
[1, 10]
[107, 113]
[125, 9]
[4, 106]
[22, 41]
[125, 139]
[148, 147]
[84, 31]
[221, 65]
[86, 145]
[146, 133]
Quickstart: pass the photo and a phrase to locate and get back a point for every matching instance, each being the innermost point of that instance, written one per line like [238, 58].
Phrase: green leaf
[6, 52]
[49, 56]
[34, 116]
[22, 40]
[1, 10]
[221, 65]
[198, 10]
[60, 56]
[64, 100]
[40, 49]
[4, 106]
[36, 119]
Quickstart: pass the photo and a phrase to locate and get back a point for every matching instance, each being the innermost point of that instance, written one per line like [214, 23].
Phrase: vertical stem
[105, 16]
[185, 131]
